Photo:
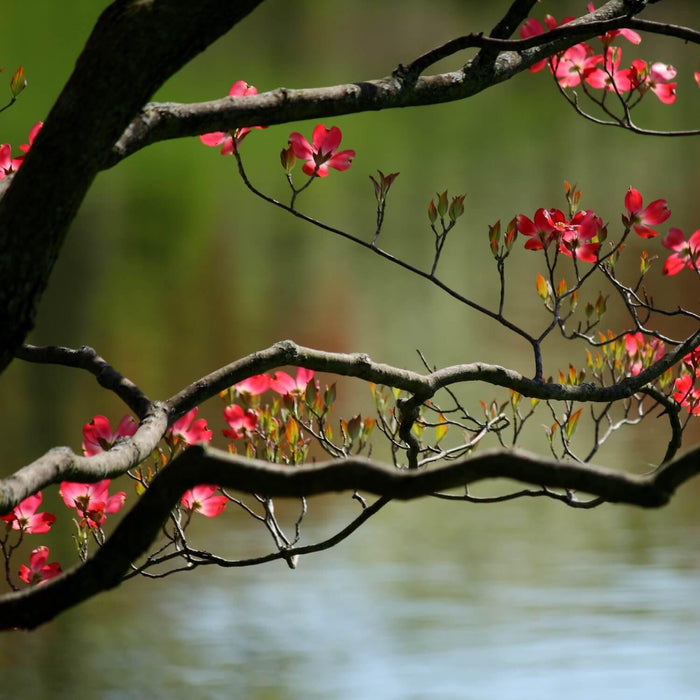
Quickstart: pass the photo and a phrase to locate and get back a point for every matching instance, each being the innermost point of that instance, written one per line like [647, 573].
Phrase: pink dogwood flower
[229, 140]
[686, 395]
[201, 499]
[539, 230]
[38, 570]
[656, 77]
[193, 432]
[322, 153]
[575, 65]
[641, 218]
[99, 436]
[241, 421]
[26, 146]
[686, 253]
[25, 518]
[577, 236]
[91, 501]
[283, 384]
[610, 76]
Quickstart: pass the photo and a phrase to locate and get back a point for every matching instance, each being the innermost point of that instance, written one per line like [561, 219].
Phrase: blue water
[428, 601]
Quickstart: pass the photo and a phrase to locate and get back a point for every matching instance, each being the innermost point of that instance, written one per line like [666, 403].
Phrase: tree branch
[506, 58]
[141, 525]
[86, 358]
[62, 464]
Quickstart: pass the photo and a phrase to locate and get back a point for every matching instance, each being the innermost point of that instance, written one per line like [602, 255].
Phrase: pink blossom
[577, 236]
[655, 213]
[255, 385]
[98, 434]
[697, 78]
[193, 432]
[283, 384]
[686, 395]
[92, 501]
[201, 499]
[38, 570]
[656, 78]
[686, 253]
[241, 422]
[539, 230]
[609, 76]
[322, 152]
[229, 140]
[574, 65]
[25, 518]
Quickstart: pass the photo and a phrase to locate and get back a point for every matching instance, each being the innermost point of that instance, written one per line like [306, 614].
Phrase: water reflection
[425, 602]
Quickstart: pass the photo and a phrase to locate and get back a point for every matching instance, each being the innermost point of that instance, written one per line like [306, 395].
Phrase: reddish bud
[456, 207]
[442, 204]
[18, 82]
[382, 184]
[288, 159]
[432, 212]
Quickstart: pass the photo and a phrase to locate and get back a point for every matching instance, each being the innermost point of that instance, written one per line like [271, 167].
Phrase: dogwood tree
[282, 438]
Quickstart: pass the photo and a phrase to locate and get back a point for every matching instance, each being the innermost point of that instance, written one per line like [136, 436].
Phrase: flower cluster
[581, 233]
[578, 236]
[582, 64]
[322, 153]
[269, 429]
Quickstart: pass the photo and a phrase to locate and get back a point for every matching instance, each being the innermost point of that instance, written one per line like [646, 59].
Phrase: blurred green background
[173, 268]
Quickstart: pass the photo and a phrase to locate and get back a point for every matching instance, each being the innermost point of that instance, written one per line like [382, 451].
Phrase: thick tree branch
[134, 47]
[141, 525]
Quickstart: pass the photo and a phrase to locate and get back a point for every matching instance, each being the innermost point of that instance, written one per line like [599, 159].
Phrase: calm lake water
[429, 600]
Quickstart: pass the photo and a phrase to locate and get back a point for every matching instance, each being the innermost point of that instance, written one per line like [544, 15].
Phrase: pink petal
[633, 201]
[127, 427]
[38, 558]
[341, 160]
[215, 138]
[660, 72]
[531, 27]
[331, 141]
[282, 383]
[673, 265]
[304, 376]
[255, 385]
[213, 506]
[674, 239]
[115, 503]
[665, 92]
[241, 89]
[656, 213]
[300, 146]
